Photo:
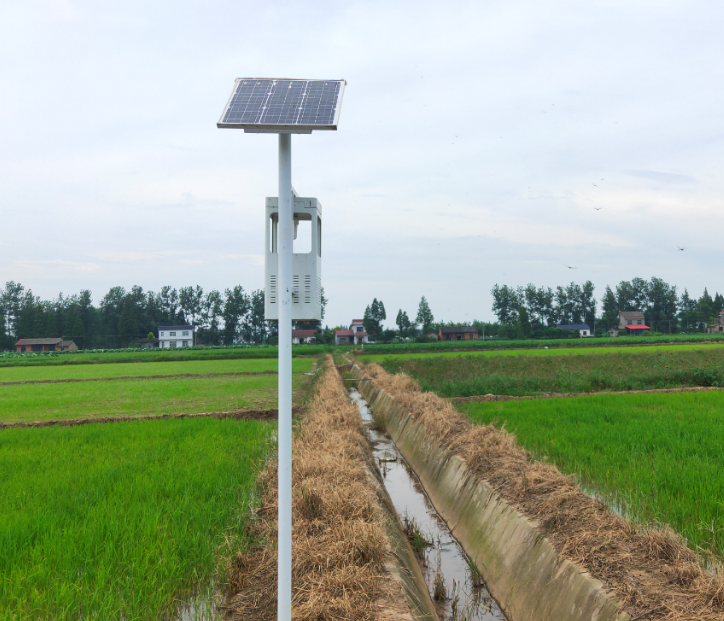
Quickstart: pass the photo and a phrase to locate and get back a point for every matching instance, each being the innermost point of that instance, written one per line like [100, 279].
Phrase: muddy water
[466, 598]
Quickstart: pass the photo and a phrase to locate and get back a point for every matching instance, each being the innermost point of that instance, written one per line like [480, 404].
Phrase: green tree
[705, 307]
[610, 309]
[236, 307]
[6, 343]
[128, 323]
[78, 333]
[588, 303]
[718, 303]
[111, 307]
[211, 313]
[687, 310]
[374, 316]
[506, 301]
[13, 298]
[190, 300]
[424, 317]
[405, 327]
[524, 328]
[255, 328]
[662, 305]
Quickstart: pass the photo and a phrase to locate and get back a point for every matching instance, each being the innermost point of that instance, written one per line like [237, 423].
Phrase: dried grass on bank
[652, 572]
[340, 546]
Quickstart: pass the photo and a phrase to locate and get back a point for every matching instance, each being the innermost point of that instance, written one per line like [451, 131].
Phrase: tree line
[536, 311]
[124, 315]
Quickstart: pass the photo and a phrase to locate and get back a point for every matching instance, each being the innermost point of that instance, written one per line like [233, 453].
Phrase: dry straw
[339, 544]
[652, 571]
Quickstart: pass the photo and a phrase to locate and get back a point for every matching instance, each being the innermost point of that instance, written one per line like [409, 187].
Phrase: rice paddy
[562, 371]
[122, 521]
[92, 371]
[654, 457]
[139, 397]
[34, 359]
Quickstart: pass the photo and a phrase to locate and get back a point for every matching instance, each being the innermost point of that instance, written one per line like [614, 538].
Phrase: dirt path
[268, 414]
[134, 377]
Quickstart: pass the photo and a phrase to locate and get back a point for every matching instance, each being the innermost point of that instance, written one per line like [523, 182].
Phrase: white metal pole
[285, 241]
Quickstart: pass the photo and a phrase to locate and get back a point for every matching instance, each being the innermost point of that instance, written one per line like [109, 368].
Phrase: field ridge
[266, 414]
[71, 380]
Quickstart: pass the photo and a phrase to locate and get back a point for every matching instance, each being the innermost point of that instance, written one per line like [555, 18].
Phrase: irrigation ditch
[452, 580]
[546, 551]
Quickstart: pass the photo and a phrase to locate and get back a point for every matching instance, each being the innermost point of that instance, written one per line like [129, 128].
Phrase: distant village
[191, 317]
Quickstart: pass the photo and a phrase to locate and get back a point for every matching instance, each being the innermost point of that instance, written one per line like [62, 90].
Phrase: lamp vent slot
[272, 289]
[307, 289]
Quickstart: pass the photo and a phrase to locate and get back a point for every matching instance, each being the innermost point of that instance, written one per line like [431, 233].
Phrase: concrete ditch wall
[522, 570]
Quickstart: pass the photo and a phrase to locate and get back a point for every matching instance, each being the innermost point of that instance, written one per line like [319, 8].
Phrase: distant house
[355, 335]
[633, 322]
[145, 343]
[175, 336]
[303, 336]
[343, 337]
[583, 330]
[44, 345]
[360, 334]
[432, 336]
[458, 333]
[717, 326]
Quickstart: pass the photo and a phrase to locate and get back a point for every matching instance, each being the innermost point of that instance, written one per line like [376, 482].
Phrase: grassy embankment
[539, 372]
[658, 457]
[121, 522]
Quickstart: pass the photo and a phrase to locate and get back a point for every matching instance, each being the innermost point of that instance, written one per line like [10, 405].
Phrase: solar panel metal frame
[279, 128]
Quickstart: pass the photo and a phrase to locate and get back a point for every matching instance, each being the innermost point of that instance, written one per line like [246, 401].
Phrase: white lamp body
[306, 267]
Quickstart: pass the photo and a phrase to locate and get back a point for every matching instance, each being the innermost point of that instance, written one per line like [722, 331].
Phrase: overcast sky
[476, 142]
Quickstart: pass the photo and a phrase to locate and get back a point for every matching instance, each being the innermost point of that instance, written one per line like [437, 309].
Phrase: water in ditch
[444, 564]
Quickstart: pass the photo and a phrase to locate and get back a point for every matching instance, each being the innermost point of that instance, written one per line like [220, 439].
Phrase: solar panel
[281, 105]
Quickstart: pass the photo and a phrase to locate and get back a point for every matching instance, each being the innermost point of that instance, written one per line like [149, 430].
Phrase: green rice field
[536, 372]
[543, 351]
[127, 521]
[91, 371]
[12, 359]
[502, 344]
[655, 457]
[139, 397]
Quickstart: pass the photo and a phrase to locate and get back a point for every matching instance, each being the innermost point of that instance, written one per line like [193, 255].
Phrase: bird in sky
[570, 267]
[598, 208]
[594, 185]
[681, 249]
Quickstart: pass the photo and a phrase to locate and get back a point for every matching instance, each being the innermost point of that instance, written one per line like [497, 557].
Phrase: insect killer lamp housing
[306, 266]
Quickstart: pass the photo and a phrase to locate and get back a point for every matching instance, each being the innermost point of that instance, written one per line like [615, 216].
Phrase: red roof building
[303, 336]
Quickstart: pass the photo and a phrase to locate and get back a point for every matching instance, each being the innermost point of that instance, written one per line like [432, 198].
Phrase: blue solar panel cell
[283, 105]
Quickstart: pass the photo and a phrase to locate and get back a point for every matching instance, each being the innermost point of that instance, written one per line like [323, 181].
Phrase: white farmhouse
[175, 336]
